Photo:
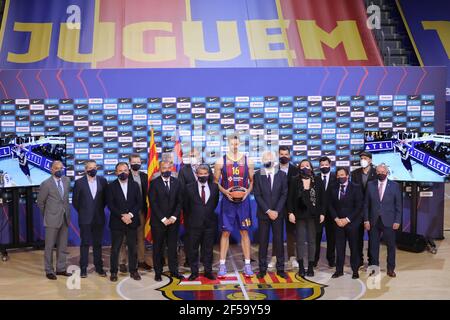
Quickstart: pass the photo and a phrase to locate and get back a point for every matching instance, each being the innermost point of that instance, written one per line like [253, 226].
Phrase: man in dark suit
[270, 191]
[188, 175]
[89, 201]
[165, 196]
[291, 171]
[141, 179]
[53, 201]
[382, 216]
[201, 199]
[124, 203]
[362, 176]
[327, 182]
[345, 207]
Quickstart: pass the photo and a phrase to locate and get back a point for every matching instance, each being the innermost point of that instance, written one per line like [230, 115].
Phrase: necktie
[167, 186]
[342, 192]
[269, 177]
[380, 191]
[203, 195]
[324, 179]
[60, 189]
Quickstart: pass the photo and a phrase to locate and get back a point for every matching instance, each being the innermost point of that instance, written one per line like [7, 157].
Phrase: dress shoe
[51, 276]
[282, 274]
[210, 276]
[391, 273]
[337, 275]
[158, 278]
[113, 277]
[177, 275]
[101, 273]
[310, 271]
[135, 276]
[144, 266]
[123, 268]
[355, 275]
[83, 274]
[193, 276]
[301, 269]
[261, 274]
[63, 273]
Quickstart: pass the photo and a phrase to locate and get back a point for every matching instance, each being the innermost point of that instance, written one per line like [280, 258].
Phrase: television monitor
[26, 161]
[411, 156]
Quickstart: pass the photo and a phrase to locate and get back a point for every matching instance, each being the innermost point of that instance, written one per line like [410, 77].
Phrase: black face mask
[268, 164]
[58, 173]
[381, 176]
[166, 174]
[135, 166]
[123, 176]
[92, 173]
[325, 170]
[342, 180]
[202, 179]
[306, 172]
[284, 160]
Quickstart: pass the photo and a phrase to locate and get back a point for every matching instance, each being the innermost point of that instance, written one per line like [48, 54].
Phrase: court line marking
[241, 283]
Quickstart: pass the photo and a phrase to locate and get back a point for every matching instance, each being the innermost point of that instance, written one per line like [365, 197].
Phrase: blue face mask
[58, 173]
[166, 174]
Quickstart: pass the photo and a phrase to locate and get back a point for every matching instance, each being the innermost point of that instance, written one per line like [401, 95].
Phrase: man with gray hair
[53, 201]
[270, 189]
[382, 216]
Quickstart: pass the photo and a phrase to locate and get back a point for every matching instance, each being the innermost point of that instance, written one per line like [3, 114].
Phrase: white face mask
[364, 163]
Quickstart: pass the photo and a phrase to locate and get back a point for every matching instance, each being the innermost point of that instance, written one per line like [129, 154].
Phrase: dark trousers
[290, 239]
[361, 244]
[388, 233]
[91, 234]
[116, 242]
[264, 226]
[348, 233]
[201, 238]
[306, 238]
[328, 225]
[165, 235]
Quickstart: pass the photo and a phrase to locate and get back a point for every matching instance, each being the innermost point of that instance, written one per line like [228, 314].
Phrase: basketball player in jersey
[23, 162]
[234, 170]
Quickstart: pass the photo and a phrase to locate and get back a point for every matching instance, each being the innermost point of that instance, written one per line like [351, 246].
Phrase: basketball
[237, 193]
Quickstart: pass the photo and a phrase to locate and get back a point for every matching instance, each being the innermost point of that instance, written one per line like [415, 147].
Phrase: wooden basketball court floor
[419, 276]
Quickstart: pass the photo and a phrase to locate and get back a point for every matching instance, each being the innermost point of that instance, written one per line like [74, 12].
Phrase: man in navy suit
[124, 202]
[166, 200]
[382, 216]
[89, 201]
[201, 199]
[345, 205]
[270, 191]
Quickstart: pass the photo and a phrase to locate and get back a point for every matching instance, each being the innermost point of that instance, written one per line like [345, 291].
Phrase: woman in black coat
[304, 209]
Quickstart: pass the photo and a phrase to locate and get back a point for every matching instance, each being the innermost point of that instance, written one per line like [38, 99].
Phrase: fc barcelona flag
[152, 168]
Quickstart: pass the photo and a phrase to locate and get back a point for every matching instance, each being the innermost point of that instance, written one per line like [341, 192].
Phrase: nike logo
[169, 116]
[51, 129]
[95, 123]
[284, 104]
[342, 147]
[241, 110]
[183, 121]
[413, 119]
[153, 111]
[328, 120]
[371, 114]
[256, 126]
[356, 119]
[427, 102]
[183, 110]
[22, 118]
[140, 139]
[414, 97]
[227, 126]
[271, 98]
[196, 116]
[327, 142]
[227, 104]
[427, 124]
[341, 103]
[196, 105]
[95, 145]
[21, 107]
[139, 128]
[169, 105]
[314, 103]
[357, 108]
[65, 101]
[123, 134]
[256, 115]
[110, 139]
[314, 114]
[110, 117]
[357, 98]
[66, 124]
[385, 119]
[241, 121]
[270, 120]
[125, 123]
[138, 106]
[7, 112]
[284, 126]
[184, 99]
[8, 101]
[327, 109]
[371, 125]
[371, 103]
[385, 108]
[227, 115]
[95, 111]
[80, 128]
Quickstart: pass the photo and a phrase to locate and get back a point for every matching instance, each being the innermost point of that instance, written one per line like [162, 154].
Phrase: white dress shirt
[168, 183]
[93, 186]
[207, 191]
[383, 186]
[124, 186]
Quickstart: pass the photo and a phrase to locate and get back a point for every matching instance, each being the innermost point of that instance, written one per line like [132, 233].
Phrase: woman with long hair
[305, 208]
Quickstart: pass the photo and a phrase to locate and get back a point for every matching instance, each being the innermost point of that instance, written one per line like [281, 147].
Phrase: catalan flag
[178, 153]
[152, 168]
